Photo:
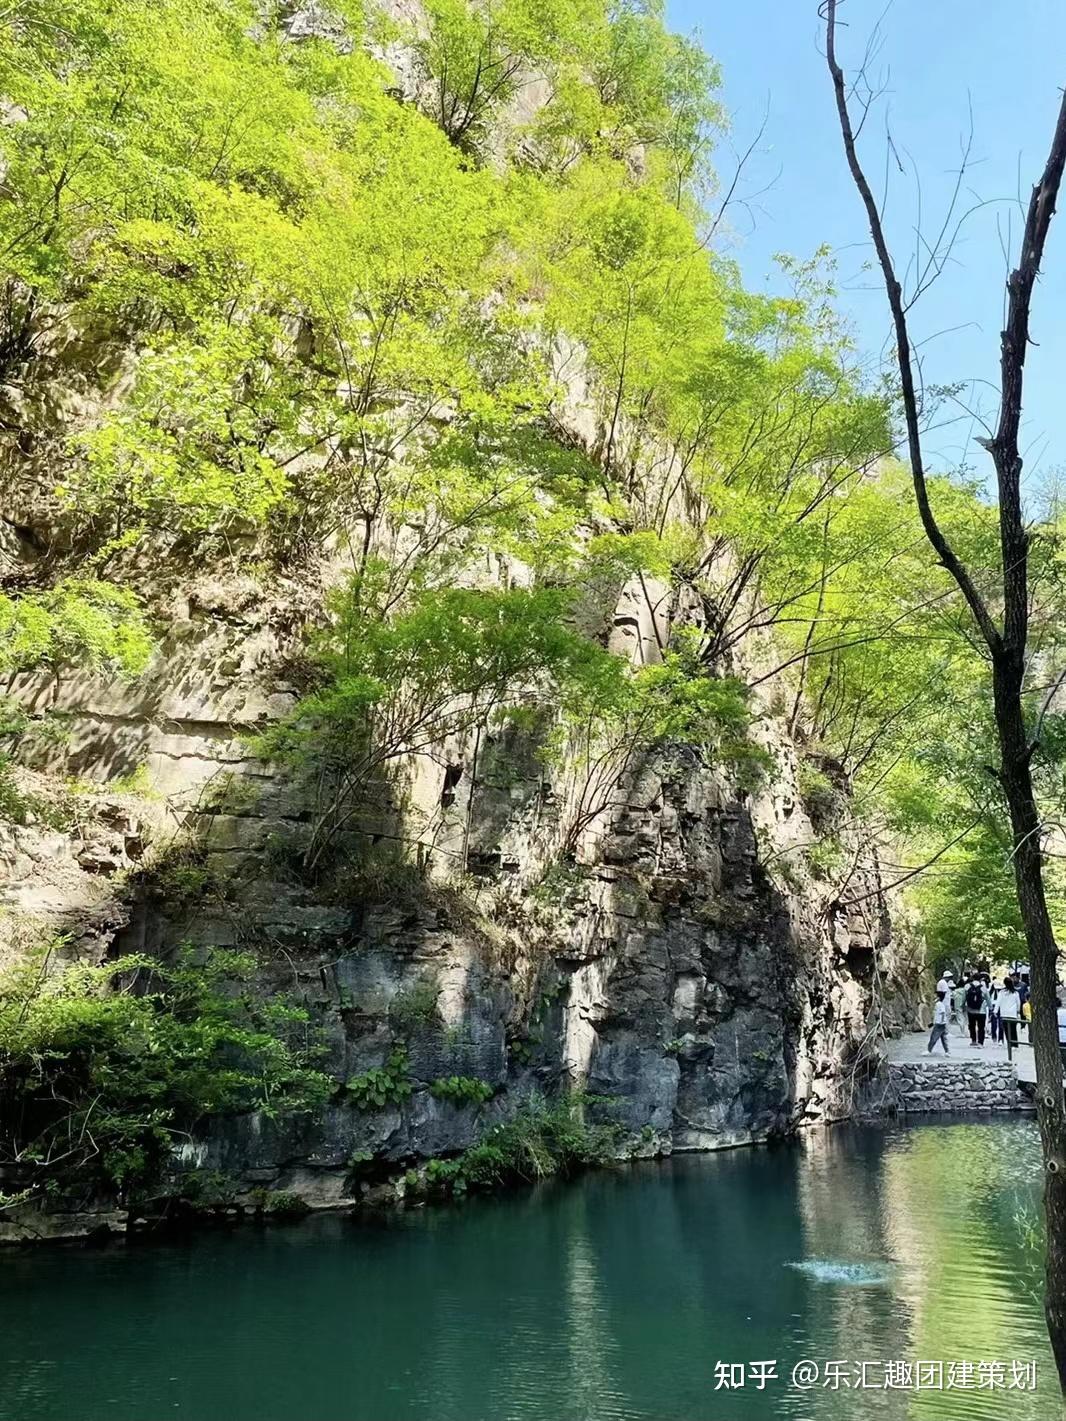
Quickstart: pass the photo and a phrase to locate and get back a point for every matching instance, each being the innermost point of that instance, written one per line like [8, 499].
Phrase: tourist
[958, 1004]
[994, 1027]
[940, 1024]
[1010, 1012]
[976, 1010]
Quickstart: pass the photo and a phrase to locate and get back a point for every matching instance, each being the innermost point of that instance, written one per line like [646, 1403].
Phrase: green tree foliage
[189, 447]
[287, 251]
[889, 688]
[347, 330]
[334, 311]
[396, 687]
[80, 619]
[105, 1070]
[618, 81]
[969, 909]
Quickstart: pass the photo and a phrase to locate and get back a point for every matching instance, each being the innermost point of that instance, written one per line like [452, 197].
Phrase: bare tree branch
[944, 551]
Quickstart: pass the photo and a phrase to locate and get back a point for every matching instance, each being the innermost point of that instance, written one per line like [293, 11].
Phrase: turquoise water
[613, 1296]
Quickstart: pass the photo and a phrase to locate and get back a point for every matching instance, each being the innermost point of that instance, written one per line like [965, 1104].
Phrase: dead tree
[1005, 633]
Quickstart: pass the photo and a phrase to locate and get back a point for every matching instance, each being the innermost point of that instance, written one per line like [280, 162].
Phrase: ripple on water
[852, 1275]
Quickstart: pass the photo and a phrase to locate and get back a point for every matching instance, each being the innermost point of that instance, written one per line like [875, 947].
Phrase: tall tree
[1002, 621]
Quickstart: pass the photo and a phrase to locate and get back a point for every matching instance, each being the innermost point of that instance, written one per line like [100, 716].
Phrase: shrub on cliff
[105, 1070]
[545, 1137]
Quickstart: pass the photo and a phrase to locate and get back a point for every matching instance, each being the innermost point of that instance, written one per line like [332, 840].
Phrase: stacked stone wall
[954, 1087]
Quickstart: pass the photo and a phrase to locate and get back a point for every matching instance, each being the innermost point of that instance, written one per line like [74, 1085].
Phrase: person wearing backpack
[976, 1009]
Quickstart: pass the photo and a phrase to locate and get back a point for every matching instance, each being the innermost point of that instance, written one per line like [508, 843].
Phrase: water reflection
[943, 1205]
[610, 1298]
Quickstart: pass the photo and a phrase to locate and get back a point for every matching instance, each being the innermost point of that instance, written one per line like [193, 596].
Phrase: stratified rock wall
[666, 963]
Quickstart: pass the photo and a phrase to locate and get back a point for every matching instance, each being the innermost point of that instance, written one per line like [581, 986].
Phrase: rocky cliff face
[686, 960]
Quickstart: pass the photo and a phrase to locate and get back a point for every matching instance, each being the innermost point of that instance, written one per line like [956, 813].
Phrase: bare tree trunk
[1006, 646]
[1026, 832]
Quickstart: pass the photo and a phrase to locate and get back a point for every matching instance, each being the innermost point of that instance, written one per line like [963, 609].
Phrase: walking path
[910, 1049]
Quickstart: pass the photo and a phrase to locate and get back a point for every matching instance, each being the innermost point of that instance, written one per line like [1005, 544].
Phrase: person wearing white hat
[947, 985]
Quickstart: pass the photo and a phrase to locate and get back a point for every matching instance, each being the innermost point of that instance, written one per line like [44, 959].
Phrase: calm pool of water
[611, 1297]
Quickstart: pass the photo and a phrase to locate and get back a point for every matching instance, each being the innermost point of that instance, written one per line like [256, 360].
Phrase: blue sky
[1005, 57]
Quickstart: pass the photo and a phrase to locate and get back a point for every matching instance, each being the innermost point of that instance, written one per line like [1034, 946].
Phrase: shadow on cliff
[719, 1005]
[694, 1016]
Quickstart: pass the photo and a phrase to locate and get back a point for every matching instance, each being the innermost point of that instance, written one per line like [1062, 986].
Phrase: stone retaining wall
[954, 1086]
